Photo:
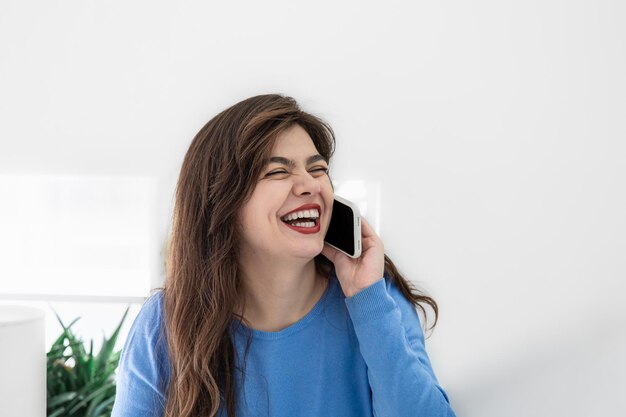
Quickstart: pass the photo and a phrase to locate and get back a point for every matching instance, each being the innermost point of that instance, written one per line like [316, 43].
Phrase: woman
[258, 317]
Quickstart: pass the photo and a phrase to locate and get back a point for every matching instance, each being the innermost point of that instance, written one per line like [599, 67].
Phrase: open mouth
[303, 221]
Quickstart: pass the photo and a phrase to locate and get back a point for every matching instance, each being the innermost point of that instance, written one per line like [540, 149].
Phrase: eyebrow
[291, 164]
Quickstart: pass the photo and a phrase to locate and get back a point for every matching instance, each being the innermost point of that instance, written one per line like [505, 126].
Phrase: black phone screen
[341, 230]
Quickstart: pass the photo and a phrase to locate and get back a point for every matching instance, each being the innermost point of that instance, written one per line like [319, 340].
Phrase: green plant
[79, 383]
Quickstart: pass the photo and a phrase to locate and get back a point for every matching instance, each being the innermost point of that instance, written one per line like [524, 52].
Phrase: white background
[495, 130]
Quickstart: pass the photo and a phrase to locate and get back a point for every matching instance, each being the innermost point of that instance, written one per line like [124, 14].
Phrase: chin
[310, 252]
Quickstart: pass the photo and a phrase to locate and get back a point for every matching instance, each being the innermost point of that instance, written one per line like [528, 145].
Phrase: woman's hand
[357, 274]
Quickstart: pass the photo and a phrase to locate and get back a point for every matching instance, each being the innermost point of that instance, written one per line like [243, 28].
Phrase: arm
[392, 343]
[143, 366]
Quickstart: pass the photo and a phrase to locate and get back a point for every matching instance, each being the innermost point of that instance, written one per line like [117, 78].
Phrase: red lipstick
[305, 230]
[304, 207]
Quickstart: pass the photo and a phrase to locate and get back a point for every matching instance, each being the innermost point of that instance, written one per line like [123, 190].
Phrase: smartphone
[344, 232]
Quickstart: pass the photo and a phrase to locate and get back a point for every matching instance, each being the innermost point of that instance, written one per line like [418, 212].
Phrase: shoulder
[393, 289]
[145, 347]
[149, 317]
[153, 306]
[143, 370]
[408, 311]
[146, 328]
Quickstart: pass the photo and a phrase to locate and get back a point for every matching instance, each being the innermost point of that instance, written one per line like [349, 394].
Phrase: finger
[366, 229]
[370, 238]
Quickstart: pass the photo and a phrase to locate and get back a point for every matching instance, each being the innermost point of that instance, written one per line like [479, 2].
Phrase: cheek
[248, 215]
[329, 197]
[327, 191]
[263, 207]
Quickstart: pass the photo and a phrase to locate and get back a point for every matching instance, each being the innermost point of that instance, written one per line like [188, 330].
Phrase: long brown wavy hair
[202, 285]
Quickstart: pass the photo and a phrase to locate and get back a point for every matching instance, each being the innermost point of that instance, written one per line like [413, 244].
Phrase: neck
[278, 294]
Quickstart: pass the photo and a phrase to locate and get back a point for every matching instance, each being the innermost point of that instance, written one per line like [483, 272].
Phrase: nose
[306, 184]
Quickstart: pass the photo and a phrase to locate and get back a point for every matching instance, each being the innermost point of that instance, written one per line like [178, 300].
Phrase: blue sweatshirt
[358, 356]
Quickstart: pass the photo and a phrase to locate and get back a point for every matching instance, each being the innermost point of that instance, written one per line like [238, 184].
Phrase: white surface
[89, 235]
[495, 128]
[22, 361]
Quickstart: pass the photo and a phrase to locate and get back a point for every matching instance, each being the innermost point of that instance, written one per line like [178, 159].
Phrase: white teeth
[313, 213]
[305, 224]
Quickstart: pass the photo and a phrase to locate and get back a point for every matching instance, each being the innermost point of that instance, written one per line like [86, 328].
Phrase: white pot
[22, 362]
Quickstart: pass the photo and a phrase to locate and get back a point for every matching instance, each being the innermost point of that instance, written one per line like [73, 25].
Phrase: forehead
[294, 141]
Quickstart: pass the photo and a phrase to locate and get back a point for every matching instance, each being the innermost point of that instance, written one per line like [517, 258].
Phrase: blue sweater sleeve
[142, 367]
[391, 341]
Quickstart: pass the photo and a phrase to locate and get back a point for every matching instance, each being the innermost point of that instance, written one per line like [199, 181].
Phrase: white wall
[496, 130]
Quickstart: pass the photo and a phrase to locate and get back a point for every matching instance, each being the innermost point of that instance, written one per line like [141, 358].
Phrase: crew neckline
[242, 329]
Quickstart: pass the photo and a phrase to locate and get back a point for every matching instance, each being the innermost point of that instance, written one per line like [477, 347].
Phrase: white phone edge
[356, 228]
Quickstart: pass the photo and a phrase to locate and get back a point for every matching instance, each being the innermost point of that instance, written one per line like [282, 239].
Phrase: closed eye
[285, 172]
[275, 172]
